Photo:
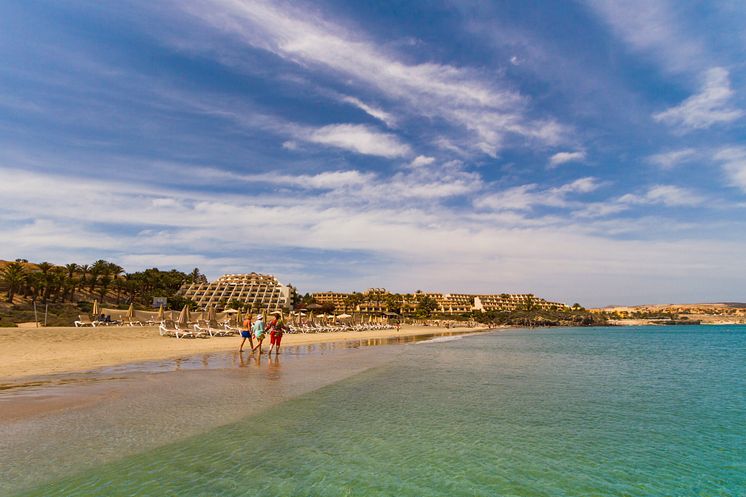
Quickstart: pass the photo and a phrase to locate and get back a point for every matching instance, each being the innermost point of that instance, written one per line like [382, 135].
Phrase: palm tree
[97, 268]
[83, 272]
[13, 276]
[34, 282]
[104, 282]
[69, 283]
[46, 280]
[115, 270]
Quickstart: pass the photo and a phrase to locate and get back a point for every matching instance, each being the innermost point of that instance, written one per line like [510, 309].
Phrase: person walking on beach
[258, 329]
[276, 329]
[246, 333]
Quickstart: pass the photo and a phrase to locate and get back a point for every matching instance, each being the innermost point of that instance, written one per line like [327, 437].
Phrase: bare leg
[240, 349]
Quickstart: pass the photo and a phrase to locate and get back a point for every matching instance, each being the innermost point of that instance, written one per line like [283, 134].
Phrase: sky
[585, 151]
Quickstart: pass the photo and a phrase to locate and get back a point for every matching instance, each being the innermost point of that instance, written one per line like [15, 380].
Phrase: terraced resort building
[378, 300]
[252, 291]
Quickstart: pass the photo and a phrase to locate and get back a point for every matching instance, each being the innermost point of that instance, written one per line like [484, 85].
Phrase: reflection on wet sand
[58, 425]
[215, 360]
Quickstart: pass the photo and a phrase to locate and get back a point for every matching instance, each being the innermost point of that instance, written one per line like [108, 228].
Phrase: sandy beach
[42, 351]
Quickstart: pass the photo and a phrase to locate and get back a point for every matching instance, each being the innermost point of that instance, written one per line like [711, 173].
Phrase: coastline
[32, 352]
[104, 414]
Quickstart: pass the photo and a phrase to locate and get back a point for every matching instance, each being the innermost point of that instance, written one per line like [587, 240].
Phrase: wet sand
[57, 425]
[44, 351]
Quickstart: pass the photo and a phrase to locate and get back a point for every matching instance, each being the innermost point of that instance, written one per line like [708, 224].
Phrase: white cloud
[415, 244]
[461, 97]
[562, 157]
[526, 197]
[379, 114]
[358, 138]
[708, 107]
[733, 160]
[422, 160]
[670, 159]
[599, 209]
[652, 27]
[668, 195]
[324, 180]
[289, 145]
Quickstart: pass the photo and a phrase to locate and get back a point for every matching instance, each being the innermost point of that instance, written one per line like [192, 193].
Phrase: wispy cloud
[436, 246]
[672, 158]
[652, 27]
[422, 160]
[708, 107]
[526, 197]
[379, 114]
[357, 138]
[668, 195]
[733, 160]
[563, 157]
[491, 111]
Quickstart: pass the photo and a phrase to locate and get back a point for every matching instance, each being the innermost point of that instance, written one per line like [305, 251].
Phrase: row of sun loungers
[318, 328]
[201, 329]
[85, 320]
[207, 329]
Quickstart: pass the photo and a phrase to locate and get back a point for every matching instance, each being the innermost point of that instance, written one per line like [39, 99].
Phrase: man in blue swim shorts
[246, 333]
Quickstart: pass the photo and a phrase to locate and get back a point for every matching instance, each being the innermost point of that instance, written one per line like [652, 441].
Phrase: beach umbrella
[184, 316]
[343, 316]
[131, 311]
[211, 316]
[161, 315]
[95, 310]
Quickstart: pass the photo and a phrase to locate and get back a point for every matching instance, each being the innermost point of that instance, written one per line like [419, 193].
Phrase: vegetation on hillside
[68, 290]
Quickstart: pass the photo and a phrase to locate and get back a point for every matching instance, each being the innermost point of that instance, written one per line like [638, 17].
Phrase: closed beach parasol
[211, 315]
[184, 316]
[131, 311]
[95, 310]
[160, 316]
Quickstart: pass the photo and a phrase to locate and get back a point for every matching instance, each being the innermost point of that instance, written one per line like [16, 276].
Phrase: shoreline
[38, 352]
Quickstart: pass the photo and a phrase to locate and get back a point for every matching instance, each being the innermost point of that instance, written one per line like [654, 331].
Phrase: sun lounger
[84, 320]
[171, 329]
[202, 327]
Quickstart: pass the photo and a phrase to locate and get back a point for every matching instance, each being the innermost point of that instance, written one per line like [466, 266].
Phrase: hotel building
[375, 301]
[254, 291]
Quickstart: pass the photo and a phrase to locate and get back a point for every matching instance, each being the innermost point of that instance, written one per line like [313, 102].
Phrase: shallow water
[562, 412]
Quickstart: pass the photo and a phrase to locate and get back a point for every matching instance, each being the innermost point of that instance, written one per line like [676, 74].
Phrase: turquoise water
[564, 412]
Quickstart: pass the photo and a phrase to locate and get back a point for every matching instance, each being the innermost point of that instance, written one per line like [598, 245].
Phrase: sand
[44, 351]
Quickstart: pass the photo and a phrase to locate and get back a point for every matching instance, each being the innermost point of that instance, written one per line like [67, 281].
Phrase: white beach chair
[84, 320]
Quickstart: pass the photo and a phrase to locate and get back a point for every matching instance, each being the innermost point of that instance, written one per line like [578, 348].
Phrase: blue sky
[583, 151]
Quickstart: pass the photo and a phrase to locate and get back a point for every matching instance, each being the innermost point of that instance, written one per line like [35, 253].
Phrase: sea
[638, 411]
